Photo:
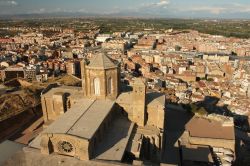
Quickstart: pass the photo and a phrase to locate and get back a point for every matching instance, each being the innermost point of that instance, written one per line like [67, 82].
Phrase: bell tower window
[110, 85]
[97, 90]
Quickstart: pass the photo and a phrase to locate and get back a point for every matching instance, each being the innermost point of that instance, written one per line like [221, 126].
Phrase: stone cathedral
[101, 121]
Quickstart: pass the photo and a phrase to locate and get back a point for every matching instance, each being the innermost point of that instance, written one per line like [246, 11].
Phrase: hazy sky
[160, 8]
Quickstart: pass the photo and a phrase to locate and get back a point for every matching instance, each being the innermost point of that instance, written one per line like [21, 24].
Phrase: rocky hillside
[15, 103]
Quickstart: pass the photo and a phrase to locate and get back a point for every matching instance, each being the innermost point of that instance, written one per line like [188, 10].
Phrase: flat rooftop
[125, 98]
[206, 128]
[30, 157]
[63, 89]
[8, 149]
[115, 140]
[155, 99]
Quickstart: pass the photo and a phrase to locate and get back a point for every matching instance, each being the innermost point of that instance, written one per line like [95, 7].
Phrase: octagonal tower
[100, 78]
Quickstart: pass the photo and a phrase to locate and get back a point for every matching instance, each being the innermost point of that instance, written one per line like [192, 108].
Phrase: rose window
[65, 146]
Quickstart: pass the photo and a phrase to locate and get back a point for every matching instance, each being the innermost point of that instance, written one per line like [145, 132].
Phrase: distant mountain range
[120, 14]
[75, 14]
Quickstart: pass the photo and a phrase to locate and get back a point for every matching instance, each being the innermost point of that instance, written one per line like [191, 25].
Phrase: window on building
[97, 86]
[110, 86]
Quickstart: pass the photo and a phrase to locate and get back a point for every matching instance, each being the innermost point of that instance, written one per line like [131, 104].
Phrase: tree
[210, 79]
[177, 48]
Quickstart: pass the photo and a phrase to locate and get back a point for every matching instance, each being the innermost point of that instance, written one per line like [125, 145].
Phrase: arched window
[110, 86]
[97, 86]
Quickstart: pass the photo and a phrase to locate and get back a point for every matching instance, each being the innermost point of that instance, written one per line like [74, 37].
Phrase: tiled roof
[101, 61]
[206, 128]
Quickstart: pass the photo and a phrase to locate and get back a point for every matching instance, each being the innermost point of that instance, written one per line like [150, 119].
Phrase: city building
[208, 140]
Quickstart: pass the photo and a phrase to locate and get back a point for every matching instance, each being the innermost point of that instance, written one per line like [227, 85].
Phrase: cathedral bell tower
[139, 97]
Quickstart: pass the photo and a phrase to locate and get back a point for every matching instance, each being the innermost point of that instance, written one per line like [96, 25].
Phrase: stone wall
[53, 106]
[156, 116]
[139, 97]
[66, 145]
[222, 143]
